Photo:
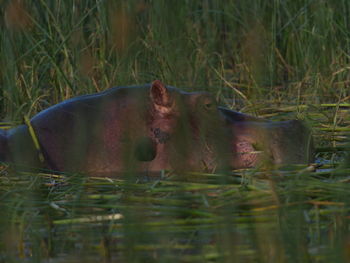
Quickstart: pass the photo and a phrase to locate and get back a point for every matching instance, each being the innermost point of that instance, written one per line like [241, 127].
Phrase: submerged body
[149, 128]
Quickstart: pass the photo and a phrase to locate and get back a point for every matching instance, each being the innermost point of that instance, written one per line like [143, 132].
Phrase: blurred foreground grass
[248, 216]
[278, 59]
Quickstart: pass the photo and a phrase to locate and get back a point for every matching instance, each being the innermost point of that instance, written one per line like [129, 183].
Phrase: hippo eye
[208, 105]
[206, 102]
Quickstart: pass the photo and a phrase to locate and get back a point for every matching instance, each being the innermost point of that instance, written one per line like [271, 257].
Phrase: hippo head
[184, 131]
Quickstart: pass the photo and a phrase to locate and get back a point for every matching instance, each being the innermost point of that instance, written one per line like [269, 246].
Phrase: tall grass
[248, 50]
[251, 54]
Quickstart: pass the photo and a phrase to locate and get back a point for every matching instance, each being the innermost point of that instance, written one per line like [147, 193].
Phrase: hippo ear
[160, 94]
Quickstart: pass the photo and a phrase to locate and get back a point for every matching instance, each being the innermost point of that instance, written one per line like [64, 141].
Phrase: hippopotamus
[147, 129]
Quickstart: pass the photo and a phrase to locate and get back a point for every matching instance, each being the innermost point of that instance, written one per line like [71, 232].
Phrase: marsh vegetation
[275, 59]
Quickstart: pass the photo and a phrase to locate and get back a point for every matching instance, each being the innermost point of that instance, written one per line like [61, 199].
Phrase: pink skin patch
[246, 154]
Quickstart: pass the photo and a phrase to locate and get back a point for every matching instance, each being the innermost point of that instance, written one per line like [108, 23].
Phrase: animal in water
[150, 128]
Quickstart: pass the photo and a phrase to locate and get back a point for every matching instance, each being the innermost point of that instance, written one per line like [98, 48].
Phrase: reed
[251, 51]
